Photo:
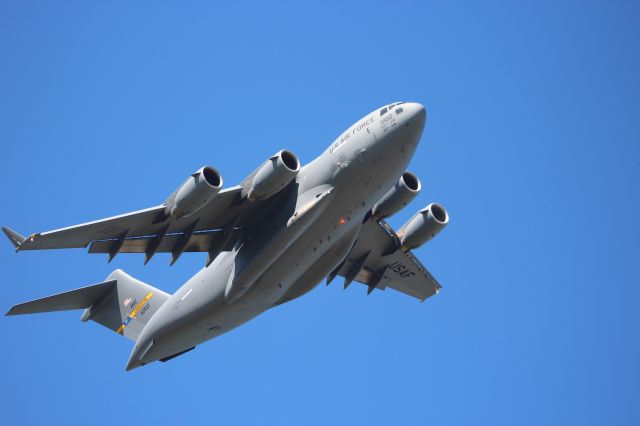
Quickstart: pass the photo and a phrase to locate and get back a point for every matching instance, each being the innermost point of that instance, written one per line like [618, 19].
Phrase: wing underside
[377, 261]
[151, 230]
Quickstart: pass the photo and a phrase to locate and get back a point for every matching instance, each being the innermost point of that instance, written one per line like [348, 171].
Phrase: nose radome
[416, 111]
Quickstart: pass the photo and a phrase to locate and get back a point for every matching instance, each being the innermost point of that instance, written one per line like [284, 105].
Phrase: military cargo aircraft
[268, 240]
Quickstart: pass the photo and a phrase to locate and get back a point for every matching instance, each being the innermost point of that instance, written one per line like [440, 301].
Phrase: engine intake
[423, 226]
[273, 175]
[195, 192]
[397, 197]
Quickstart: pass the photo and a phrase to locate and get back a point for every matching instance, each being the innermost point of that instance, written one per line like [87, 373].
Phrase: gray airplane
[268, 240]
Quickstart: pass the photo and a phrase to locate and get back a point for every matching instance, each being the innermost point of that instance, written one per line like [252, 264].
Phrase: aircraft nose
[416, 113]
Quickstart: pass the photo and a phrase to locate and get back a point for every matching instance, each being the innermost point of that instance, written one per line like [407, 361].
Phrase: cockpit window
[384, 110]
[399, 110]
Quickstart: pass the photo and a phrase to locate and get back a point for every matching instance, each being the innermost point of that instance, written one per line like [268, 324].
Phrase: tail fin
[121, 303]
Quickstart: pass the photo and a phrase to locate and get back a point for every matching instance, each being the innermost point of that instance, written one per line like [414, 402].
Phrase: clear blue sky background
[532, 143]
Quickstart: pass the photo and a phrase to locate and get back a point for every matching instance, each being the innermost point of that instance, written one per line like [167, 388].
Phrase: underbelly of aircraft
[299, 269]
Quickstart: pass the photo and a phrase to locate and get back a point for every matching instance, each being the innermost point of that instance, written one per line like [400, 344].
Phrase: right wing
[151, 230]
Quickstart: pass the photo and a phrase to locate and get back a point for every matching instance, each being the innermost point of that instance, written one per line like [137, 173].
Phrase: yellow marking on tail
[133, 313]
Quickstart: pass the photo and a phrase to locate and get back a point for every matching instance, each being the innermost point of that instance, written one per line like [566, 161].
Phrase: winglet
[15, 238]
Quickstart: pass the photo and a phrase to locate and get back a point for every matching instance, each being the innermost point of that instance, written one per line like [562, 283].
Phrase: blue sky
[532, 143]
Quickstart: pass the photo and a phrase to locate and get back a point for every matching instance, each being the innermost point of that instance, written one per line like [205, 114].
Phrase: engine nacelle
[195, 192]
[274, 175]
[397, 197]
[423, 226]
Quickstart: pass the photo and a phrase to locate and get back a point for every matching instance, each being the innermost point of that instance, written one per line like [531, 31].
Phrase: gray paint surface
[262, 252]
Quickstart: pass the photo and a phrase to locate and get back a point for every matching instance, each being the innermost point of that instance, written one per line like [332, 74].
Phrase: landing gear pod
[195, 192]
[423, 226]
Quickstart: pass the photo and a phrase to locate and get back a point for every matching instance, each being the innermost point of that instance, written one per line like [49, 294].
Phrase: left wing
[377, 260]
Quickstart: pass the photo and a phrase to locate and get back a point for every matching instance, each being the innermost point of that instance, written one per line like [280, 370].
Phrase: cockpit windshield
[384, 110]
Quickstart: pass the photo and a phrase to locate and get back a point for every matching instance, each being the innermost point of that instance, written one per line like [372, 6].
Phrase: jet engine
[397, 197]
[423, 226]
[273, 175]
[195, 192]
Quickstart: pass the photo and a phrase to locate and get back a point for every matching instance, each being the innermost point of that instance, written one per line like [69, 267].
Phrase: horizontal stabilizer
[15, 238]
[121, 303]
[80, 298]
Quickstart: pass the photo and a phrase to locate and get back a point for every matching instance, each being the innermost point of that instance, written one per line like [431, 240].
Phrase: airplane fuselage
[291, 249]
